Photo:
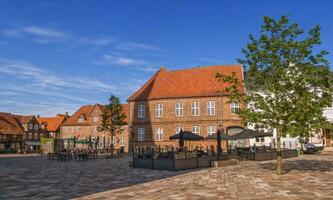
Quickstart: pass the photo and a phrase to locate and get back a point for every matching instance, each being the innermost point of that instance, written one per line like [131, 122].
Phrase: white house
[322, 138]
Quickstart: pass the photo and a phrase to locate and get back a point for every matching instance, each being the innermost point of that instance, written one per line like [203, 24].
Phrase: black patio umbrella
[214, 136]
[248, 133]
[187, 135]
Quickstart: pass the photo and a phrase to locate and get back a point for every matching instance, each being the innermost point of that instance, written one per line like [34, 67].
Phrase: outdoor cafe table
[64, 156]
[82, 156]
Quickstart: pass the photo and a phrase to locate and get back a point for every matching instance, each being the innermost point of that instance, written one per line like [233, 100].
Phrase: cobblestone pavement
[307, 177]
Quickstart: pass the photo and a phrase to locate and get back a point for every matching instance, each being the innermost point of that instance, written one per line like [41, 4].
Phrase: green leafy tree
[288, 85]
[113, 119]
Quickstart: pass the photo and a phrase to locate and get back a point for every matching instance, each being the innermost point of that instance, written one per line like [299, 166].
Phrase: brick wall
[169, 121]
[90, 128]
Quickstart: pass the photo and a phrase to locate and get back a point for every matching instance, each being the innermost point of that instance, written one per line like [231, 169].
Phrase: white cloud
[96, 41]
[34, 89]
[121, 60]
[46, 78]
[29, 89]
[129, 63]
[50, 108]
[130, 46]
[44, 32]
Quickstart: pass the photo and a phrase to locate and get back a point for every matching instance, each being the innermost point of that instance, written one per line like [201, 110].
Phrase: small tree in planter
[288, 84]
[113, 119]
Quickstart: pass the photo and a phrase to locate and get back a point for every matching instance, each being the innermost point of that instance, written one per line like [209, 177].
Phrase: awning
[32, 143]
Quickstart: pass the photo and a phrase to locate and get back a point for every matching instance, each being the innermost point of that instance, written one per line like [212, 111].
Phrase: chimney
[66, 113]
[37, 116]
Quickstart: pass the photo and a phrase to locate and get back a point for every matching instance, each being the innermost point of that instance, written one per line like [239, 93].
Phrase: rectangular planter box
[204, 161]
[189, 163]
[142, 163]
[164, 164]
[271, 155]
[289, 153]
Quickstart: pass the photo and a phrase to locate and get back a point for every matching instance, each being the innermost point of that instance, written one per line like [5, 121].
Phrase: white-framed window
[196, 129]
[159, 134]
[211, 130]
[179, 109]
[234, 107]
[114, 142]
[259, 127]
[211, 107]
[141, 111]
[260, 139]
[36, 127]
[122, 142]
[178, 128]
[195, 109]
[95, 118]
[141, 134]
[30, 126]
[159, 110]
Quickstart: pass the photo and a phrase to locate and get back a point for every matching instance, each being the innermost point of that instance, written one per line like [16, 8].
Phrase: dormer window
[81, 118]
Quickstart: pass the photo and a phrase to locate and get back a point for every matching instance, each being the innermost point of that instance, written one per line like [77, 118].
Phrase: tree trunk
[112, 145]
[279, 167]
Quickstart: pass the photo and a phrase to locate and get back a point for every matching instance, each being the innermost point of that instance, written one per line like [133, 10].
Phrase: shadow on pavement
[39, 178]
[305, 163]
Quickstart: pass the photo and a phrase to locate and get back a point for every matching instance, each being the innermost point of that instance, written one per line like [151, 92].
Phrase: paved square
[307, 177]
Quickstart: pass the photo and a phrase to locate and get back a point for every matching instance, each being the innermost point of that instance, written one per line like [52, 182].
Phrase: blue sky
[58, 55]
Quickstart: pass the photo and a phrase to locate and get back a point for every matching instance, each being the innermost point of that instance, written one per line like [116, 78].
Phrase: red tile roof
[24, 119]
[193, 82]
[86, 110]
[9, 125]
[73, 120]
[52, 123]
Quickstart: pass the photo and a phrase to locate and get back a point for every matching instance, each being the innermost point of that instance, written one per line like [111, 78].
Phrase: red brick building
[84, 123]
[186, 99]
[51, 125]
[11, 132]
[20, 132]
